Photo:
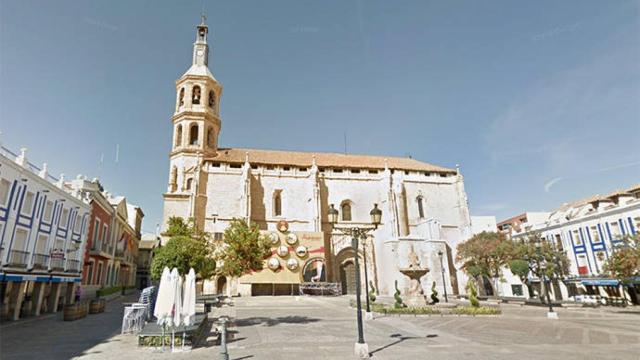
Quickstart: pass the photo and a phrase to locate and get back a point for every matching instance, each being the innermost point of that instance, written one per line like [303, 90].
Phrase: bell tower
[196, 126]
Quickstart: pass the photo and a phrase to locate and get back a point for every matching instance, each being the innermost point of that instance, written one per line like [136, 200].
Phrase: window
[78, 223]
[89, 273]
[189, 183]
[337, 171]
[64, 219]
[41, 245]
[195, 96]
[27, 205]
[373, 171]
[218, 236]
[420, 207]
[5, 186]
[96, 233]
[346, 211]
[355, 171]
[636, 221]
[277, 203]
[178, 135]
[595, 236]
[615, 230]
[181, 98]
[99, 274]
[105, 230]
[48, 211]
[193, 135]
[20, 241]
[212, 99]
[576, 237]
[235, 166]
[516, 290]
[559, 243]
[286, 168]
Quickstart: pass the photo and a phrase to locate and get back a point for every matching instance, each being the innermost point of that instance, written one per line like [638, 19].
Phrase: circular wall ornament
[292, 238]
[301, 251]
[274, 238]
[292, 264]
[283, 250]
[273, 263]
[283, 226]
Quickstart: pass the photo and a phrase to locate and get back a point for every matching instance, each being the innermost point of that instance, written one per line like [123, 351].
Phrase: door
[348, 277]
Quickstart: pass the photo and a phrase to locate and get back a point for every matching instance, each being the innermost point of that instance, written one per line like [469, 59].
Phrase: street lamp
[357, 233]
[543, 267]
[444, 284]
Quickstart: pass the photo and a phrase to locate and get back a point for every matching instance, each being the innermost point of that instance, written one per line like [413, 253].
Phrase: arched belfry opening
[193, 134]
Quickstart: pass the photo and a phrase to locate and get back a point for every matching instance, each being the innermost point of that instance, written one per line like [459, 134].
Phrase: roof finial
[203, 16]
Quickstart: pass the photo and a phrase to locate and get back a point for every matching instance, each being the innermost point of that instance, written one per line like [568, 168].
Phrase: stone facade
[424, 206]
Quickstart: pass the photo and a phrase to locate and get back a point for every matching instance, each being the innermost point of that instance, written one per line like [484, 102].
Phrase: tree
[244, 249]
[473, 293]
[542, 258]
[188, 247]
[484, 255]
[624, 262]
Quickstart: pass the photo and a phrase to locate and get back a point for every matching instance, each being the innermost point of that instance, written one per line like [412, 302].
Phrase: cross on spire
[203, 17]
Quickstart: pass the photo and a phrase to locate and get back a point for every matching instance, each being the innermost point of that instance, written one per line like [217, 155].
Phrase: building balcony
[100, 252]
[18, 258]
[40, 261]
[73, 265]
[57, 264]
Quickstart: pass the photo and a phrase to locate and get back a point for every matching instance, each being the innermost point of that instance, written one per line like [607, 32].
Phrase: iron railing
[57, 263]
[40, 261]
[18, 257]
[73, 265]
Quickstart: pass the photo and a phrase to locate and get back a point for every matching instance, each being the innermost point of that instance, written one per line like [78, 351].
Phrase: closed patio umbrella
[189, 301]
[164, 302]
[176, 310]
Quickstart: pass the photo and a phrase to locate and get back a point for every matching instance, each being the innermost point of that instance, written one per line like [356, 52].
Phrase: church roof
[199, 70]
[335, 160]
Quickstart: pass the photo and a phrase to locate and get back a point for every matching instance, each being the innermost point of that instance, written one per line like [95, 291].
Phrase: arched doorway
[348, 277]
[221, 285]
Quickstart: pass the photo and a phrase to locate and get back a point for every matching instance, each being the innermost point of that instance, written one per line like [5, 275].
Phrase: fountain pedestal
[415, 295]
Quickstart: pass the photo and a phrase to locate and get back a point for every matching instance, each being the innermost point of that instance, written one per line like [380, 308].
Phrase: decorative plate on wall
[292, 238]
[274, 238]
[283, 226]
[273, 263]
[292, 264]
[301, 251]
[283, 250]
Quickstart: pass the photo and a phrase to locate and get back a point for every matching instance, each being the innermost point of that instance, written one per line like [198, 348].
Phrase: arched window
[189, 183]
[277, 203]
[419, 200]
[193, 135]
[181, 98]
[195, 95]
[210, 138]
[346, 211]
[212, 99]
[178, 135]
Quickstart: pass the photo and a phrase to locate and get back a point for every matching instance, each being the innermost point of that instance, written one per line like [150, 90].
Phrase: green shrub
[471, 310]
[434, 294]
[111, 290]
[398, 304]
[372, 292]
[473, 293]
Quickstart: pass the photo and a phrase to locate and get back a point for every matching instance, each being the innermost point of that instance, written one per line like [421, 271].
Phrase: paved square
[324, 328]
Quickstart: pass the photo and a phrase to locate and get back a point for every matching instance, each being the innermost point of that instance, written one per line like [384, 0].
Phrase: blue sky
[537, 101]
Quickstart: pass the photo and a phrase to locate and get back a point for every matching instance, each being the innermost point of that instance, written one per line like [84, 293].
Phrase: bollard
[224, 354]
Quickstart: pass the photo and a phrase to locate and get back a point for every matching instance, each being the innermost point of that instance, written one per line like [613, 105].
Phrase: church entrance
[348, 277]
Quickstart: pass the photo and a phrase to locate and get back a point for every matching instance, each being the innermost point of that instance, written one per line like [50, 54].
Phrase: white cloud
[550, 183]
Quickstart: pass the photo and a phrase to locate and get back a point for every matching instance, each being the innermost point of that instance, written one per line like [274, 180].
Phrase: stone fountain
[414, 296]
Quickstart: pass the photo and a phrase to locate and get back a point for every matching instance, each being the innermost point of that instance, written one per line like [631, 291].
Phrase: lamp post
[368, 315]
[356, 233]
[541, 263]
[444, 284]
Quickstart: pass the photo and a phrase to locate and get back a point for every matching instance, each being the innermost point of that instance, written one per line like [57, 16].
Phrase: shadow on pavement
[274, 321]
[400, 339]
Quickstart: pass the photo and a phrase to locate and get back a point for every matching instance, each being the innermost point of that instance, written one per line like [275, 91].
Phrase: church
[288, 194]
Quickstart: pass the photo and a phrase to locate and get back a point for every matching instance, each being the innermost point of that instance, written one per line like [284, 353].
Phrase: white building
[43, 229]
[288, 194]
[588, 230]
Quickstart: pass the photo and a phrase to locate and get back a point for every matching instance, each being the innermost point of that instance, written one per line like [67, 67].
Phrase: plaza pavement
[324, 328]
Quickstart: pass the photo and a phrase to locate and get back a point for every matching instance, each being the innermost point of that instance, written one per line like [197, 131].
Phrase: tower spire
[200, 47]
